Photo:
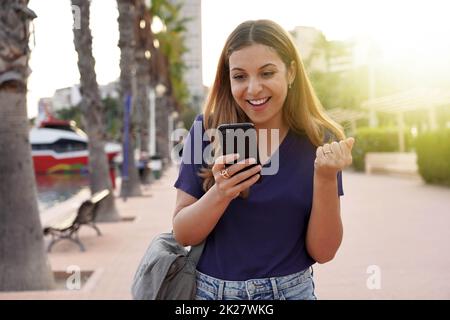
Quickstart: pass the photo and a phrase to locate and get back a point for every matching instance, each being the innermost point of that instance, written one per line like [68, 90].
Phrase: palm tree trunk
[23, 261]
[92, 111]
[144, 43]
[127, 18]
[143, 105]
[164, 106]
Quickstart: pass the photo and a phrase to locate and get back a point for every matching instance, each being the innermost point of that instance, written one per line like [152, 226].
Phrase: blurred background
[380, 68]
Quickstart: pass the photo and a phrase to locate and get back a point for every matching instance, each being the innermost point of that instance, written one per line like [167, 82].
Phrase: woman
[262, 244]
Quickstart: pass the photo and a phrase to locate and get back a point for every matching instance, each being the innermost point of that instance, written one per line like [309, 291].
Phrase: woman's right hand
[230, 188]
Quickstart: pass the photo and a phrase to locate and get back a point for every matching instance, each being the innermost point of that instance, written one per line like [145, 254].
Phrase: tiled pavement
[114, 256]
[396, 227]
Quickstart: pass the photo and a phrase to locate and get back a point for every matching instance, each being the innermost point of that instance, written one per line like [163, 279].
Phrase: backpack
[167, 271]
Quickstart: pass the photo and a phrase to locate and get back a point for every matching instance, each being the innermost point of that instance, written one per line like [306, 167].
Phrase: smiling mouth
[259, 102]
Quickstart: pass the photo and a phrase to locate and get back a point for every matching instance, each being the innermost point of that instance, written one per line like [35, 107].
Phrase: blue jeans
[297, 286]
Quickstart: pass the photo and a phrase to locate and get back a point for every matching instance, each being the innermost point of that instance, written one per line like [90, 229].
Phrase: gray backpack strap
[196, 252]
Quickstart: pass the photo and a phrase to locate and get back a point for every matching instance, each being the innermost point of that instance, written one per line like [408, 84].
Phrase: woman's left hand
[334, 157]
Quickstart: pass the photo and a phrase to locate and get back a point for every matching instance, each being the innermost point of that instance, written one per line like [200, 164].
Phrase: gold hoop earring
[290, 85]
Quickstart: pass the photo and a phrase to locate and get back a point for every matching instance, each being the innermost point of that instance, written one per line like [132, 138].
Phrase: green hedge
[433, 156]
[376, 140]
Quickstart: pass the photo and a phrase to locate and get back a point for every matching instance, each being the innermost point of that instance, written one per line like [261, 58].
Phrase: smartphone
[240, 138]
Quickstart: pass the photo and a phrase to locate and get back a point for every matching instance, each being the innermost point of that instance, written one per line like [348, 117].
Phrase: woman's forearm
[192, 224]
[325, 230]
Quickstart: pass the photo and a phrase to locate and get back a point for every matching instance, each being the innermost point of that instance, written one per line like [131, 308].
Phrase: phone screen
[240, 138]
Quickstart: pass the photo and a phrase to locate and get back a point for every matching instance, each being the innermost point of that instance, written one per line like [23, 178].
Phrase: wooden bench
[391, 162]
[69, 227]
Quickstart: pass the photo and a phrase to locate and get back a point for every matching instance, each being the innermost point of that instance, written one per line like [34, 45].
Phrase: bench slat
[99, 196]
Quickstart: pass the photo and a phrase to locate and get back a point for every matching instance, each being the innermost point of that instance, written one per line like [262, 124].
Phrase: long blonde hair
[302, 110]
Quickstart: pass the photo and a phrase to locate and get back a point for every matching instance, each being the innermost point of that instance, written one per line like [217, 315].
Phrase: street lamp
[172, 118]
[158, 91]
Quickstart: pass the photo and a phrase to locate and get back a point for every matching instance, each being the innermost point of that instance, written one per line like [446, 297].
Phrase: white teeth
[258, 102]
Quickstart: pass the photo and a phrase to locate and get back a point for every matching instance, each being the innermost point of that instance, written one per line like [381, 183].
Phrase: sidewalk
[115, 255]
[398, 226]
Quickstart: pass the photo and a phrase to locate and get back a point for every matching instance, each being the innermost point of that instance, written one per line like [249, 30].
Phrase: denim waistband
[252, 286]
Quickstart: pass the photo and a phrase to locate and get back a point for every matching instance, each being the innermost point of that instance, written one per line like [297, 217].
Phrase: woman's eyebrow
[266, 65]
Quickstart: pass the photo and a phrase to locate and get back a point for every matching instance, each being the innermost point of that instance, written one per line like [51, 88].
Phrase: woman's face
[259, 84]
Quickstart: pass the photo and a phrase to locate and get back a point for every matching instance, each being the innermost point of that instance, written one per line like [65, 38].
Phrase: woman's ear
[292, 72]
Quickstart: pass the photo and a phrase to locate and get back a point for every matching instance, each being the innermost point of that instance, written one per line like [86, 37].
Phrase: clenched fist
[334, 157]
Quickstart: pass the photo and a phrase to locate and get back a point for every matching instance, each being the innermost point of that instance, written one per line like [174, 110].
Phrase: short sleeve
[339, 181]
[191, 162]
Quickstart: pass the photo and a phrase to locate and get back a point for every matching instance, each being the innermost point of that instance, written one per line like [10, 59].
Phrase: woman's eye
[268, 74]
[238, 77]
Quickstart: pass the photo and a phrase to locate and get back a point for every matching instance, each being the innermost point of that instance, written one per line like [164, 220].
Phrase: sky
[408, 31]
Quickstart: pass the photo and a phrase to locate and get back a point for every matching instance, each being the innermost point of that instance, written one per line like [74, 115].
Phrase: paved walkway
[397, 226]
[114, 256]
[401, 227]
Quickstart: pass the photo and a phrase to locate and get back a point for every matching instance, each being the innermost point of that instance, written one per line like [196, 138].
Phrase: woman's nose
[254, 87]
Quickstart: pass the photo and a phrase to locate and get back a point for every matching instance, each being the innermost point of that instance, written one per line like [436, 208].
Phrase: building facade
[68, 97]
[322, 55]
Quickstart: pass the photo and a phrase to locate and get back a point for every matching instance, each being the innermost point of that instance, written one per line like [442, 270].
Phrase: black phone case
[224, 128]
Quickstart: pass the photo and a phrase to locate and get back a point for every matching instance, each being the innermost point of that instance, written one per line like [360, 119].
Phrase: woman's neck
[267, 145]
[278, 125]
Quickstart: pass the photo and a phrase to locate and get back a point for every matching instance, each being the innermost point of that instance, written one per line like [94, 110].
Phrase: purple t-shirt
[264, 235]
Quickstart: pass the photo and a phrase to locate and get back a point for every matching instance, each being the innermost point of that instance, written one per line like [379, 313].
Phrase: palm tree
[127, 43]
[144, 46]
[165, 103]
[167, 69]
[23, 261]
[92, 110]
